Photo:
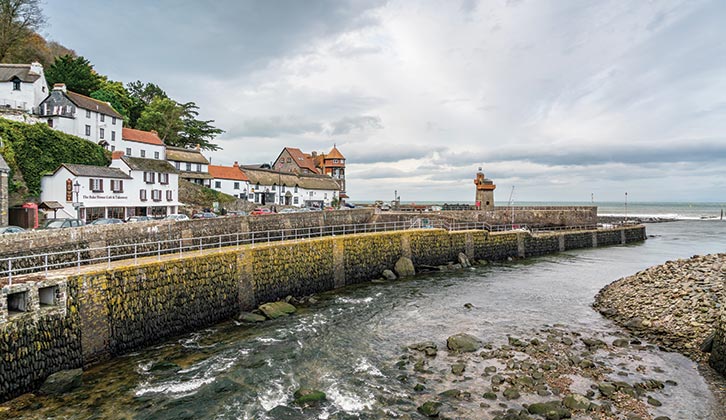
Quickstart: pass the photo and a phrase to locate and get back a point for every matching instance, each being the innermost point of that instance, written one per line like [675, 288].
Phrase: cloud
[347, 124]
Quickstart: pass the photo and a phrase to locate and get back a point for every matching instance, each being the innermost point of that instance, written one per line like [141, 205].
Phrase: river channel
[348, 343]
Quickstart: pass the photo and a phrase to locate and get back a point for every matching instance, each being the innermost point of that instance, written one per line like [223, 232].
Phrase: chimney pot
[155, 132]
[198, 147]
[60, 86]
[236, 165]
[117, 154]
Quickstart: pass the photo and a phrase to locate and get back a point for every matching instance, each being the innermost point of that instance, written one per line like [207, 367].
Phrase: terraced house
[191, 164]
[22, 87]
[230, 180]
[283, 188]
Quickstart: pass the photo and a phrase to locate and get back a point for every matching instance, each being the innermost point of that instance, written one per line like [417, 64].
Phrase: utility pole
[626, 207]
[511, 203]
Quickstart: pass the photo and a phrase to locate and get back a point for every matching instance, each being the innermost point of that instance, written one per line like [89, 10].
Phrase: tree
[197, 132]
[76, 72]
[141, 95]
[18, 19]
[177, 124]
[115, 94]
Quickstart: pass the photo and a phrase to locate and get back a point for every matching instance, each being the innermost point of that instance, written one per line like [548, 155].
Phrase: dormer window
[16, 84]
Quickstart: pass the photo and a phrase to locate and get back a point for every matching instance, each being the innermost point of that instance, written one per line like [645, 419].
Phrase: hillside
[32, 150]
[197, 198]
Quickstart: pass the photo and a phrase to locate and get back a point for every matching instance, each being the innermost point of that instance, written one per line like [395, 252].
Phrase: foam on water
[364, 366]
[351, 301]
[276, 393]
[348, 401]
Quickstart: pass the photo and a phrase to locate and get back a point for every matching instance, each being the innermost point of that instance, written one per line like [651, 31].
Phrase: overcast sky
[560, 99]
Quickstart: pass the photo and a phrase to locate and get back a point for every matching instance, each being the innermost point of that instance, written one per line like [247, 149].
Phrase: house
[140, 143]
[284, 188]
[331, 164]
[22, 86]
[154, 185]
[191, 164]
[82, 116]
[230, 180]
[86, 192]
[4, 191]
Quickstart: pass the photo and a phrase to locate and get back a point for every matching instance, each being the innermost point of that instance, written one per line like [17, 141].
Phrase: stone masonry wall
[110, 312]
[718, 353]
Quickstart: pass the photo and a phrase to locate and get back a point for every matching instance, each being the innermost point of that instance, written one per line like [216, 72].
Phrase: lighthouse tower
[484, 191]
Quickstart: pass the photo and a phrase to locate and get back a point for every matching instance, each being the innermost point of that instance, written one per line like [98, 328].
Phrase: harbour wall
[530, 216]
[77, 320]
[718, 352]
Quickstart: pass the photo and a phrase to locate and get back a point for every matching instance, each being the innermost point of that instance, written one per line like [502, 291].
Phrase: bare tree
[18, 19]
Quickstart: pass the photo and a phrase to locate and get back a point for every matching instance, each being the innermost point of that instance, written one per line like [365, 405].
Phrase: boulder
[250, 317]
[62, 382]
[463, 343]
[464, 260]
[306, 396]
[576, 402]
[404, 267]
[282, 412]
[429, 408]
[388, 275]
[274, 310]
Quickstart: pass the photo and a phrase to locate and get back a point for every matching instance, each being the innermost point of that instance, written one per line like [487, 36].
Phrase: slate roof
[149, 165]
[179, 154]
[307, 181]
[22, 71]
[92, 171]
[91, 104]
[141, 136]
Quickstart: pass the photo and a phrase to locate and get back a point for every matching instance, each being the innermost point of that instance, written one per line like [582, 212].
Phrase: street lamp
[77, 190]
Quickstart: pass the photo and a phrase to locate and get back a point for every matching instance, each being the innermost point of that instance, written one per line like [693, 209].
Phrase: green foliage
[76, 72]
[141, 95]
[115, 94]
[177, 124]
[35, 150]
[18, 20]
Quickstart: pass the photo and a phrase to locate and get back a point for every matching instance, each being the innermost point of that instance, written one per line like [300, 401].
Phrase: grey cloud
[347, 124]
[386, 153]
[275, 126]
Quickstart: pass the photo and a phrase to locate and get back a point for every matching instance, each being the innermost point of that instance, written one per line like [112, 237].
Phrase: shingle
[91, 104]
[179, 154]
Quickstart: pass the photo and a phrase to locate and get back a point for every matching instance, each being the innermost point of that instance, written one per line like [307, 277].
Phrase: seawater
[348, 343]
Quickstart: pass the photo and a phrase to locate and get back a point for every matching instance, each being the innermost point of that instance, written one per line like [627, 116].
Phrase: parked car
[10, 229]
[236, 213]
[62, 223]
[349, 205]
[134, 219]
[314, 209]
[176, 217]
[205, 215]
[287, 211]
[261, 211]
[106, 221]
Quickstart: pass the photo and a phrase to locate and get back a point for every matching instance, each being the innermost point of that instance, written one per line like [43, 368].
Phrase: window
[95, 185]
[50, 123]
[199, 167]
[16, 84]
[149, 177]
[48, 295]
[128, 151]
[142, 195]
[143, 153]
[325, 196]
[100, 132]
[217, 184]
[113, 120]
[335, 160]
[311, 193]
[163, 179]
[18, 302]
[170, 195]
[296, 188]
[156, 155]
[88, 130]
[274, 186]
[289, 160]
[156, 195]
[113, 148]
[236, 185]
[189, 167]
[103, 118]
[117, 186]
[282, 188]
[178, 165]
[113, 136]
[88, 114]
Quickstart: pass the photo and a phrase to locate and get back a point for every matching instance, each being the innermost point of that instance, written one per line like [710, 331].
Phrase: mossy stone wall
[718, 353]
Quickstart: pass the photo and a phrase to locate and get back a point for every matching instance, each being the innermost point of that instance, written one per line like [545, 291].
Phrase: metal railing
[15, 266]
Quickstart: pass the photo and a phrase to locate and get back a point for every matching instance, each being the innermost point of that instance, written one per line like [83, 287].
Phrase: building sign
[105, 197]
[69, 190]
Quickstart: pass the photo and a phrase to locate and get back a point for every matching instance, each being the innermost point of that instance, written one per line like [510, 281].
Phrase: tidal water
[347, 344]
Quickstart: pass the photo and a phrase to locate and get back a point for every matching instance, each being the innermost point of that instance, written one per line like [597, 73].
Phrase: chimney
[154, 132]
[236, 165]
[60, 86]
[198, 147]
[117, 154]
[315, 154]
[36, 68]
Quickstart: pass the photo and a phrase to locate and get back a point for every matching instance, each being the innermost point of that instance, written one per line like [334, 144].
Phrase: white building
[22, 86]
[191, 164]
[230, 180]
[290, 189]
[82, 116]
[143, 144]
[154, 185]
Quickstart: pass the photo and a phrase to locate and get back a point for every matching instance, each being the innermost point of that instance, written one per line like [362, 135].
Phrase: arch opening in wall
[48, 296]
[18, 302]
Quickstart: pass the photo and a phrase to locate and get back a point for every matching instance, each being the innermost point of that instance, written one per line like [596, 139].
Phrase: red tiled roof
[301, 159]
[141, 136]
[227, 172]
[334, 154]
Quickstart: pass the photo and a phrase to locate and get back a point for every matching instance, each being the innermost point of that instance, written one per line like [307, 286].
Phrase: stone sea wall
[679, 305]
[102, 313]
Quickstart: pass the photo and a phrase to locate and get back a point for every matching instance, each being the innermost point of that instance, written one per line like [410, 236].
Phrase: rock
[62, 382]
[490, 395]
[707, 344]
[634, 323]
[419, 387]
[458, 368]
[250, 317]
[554, 407]
[274, 310]
[464, 260]
[463, 343]
[404, 267]
[282, 412]
[576, 402]
[429, 408]
[655, 403]
[606, 389]
[620, 342]
[511, 393]
[389, 275]
[451, 393]
[164, 365]
[422, 346]
[593, 343]
[306, 396]
[468, 305]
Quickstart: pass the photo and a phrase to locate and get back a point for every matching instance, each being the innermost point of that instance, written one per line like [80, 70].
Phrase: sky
[555, 100]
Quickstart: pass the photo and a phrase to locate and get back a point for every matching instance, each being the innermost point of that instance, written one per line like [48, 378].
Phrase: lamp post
[77, 190]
